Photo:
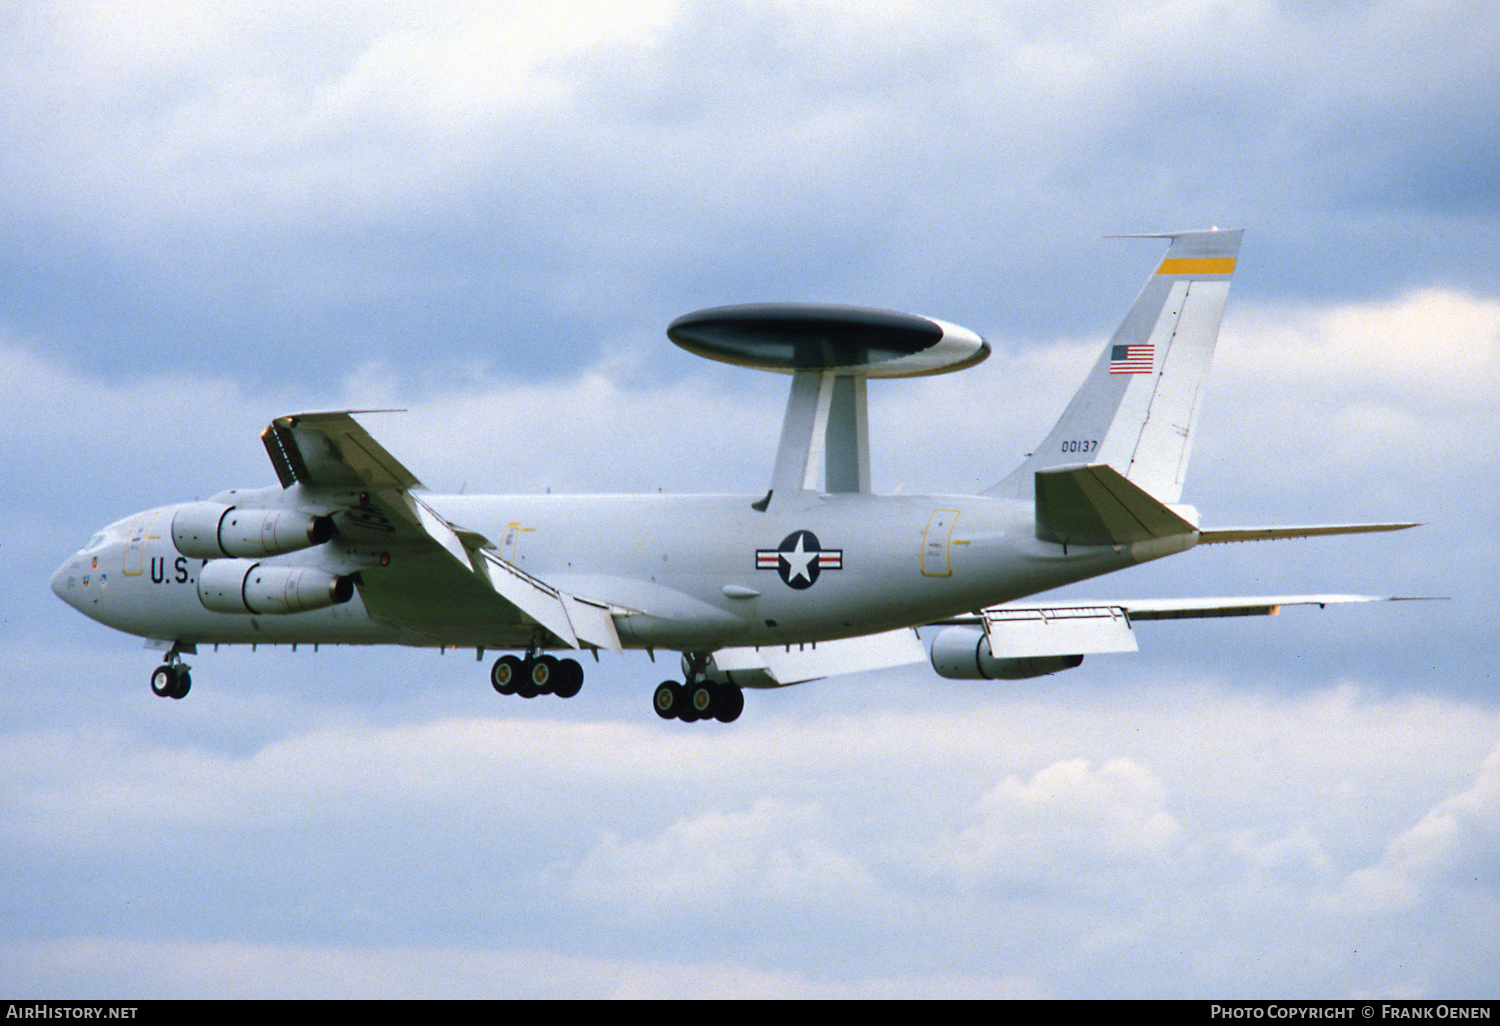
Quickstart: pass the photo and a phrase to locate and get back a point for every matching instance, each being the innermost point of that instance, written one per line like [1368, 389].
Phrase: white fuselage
[682, 572]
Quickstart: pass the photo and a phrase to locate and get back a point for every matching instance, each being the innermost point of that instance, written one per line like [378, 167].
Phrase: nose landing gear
[171, 679]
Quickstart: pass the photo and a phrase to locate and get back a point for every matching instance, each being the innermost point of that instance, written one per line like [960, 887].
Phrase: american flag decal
[1132, 359]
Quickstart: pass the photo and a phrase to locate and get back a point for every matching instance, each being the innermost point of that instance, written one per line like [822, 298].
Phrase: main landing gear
[701, 701]
[697, 699]
[536, 675]
[171, 679]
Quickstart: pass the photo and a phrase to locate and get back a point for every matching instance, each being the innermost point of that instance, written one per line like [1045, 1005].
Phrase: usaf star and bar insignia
[799, 559]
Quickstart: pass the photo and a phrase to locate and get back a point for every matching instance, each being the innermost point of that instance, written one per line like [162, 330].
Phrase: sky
[212, 214]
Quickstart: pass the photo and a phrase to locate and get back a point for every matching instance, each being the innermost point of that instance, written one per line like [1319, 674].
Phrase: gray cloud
[1144, 834]
[281, 190]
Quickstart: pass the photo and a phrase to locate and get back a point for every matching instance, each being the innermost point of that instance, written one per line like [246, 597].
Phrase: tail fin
[1139, 405]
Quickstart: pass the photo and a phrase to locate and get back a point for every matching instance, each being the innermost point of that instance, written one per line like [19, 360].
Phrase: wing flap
[539, 601]
[593, 622]
[797, 664]
[1023, 633]
[576, 622]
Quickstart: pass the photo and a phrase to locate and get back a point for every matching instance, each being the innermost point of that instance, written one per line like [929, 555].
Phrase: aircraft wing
[434, 575]
[331, 450]
[1016, 631]
[1031, 630]
[1221, 535]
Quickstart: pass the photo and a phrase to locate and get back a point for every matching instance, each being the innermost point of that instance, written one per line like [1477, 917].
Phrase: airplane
[818, 576]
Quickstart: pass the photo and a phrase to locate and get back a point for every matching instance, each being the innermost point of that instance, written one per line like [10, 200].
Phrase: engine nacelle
[209, 530]
[963, 653]
[245, 586]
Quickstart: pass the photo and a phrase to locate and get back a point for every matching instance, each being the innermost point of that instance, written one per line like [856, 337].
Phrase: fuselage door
[935, 543]
[510, 541]
[135, 548]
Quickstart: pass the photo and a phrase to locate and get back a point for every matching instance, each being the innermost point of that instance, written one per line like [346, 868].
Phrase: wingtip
[1215, 230]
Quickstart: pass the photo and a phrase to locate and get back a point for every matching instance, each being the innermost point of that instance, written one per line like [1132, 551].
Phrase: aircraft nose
[65, 581]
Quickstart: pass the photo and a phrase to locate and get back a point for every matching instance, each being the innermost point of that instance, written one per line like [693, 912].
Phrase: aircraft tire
[505, 675]
[729, 703]
[182, 682]
[543, 675]
[702, 700]
[667, 700]
[162, 681]
[569, 678]
[685, 711]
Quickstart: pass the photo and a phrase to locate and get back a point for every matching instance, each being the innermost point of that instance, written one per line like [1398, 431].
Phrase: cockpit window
[96, 542]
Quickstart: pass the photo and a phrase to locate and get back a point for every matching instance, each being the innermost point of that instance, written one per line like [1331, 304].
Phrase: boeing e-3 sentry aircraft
[815, 577]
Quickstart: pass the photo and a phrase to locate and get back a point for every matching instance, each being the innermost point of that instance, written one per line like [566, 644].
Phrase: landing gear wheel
[544, 674]
[170, 680]
[526, 684]
[506, 674]
[569, 678]
[702, 698]
[668, 700]
[685, 710]
[729, 703]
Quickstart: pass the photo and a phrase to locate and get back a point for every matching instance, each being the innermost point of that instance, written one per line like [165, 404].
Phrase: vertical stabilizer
[1139, 405]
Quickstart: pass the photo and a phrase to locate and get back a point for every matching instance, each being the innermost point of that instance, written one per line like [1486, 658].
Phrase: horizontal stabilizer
[1095, 504]
[1223, 535]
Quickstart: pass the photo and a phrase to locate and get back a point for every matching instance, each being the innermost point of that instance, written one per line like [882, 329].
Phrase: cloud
[1451, 853]
[770, 856]
[442, 180]
[208, 969]
[1310, 392]
[1036, 840]
[239, 114]
[1381, 393]
[1112, 812]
